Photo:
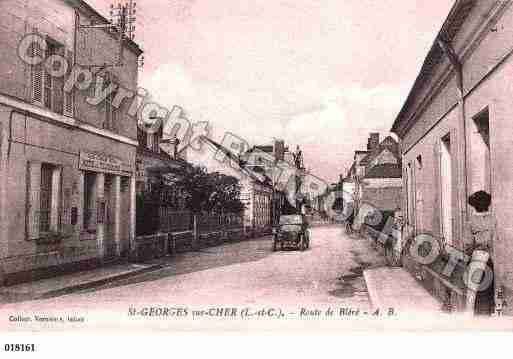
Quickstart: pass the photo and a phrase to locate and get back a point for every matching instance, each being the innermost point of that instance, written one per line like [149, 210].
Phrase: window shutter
[33, 200]
[48, 83]
[56, 203]
[37, 75]
[69, 97]
[58, 90]
[437, 195]
[114, 111]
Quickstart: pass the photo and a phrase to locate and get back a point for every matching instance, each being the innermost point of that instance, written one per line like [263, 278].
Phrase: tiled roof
[382, 146]
[387, 170]
[448, 32]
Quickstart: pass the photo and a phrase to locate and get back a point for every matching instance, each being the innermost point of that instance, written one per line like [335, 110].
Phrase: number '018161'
[19, 347]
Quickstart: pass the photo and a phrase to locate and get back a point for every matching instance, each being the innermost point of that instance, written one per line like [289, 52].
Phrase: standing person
[481, 224]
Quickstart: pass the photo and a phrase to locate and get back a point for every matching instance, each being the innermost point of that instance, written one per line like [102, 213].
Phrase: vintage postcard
[255, 165]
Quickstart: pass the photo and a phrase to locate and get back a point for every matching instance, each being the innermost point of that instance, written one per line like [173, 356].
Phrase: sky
[318, 74]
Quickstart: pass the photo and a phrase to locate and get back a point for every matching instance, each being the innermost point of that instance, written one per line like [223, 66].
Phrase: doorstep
[396, 288]
[70, 283]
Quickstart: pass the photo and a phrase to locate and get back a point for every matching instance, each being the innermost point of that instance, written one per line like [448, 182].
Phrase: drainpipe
[462, 132]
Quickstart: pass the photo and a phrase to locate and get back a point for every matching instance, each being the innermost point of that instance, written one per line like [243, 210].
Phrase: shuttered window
[48, 91]
[47, 80]
[69, 98]
[37, 74]
[43, 199]
[111, 113]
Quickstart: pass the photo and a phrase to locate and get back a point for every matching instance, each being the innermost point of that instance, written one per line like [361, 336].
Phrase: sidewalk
[396, 288]
[69, 283]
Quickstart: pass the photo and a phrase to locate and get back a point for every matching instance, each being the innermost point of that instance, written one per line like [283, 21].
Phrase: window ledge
[64, 120]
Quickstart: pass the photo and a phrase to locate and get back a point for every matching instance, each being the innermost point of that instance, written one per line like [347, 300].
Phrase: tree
[210, 192]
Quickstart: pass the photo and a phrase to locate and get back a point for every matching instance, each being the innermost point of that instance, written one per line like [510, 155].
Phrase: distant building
[381, 184]
[264, 160]
[257, 188]
[153, 167]
[375, 175]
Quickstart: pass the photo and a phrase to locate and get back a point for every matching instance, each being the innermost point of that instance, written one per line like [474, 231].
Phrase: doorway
[446, 189]
[109, 241]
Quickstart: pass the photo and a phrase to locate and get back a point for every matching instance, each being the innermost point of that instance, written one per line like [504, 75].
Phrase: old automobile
[292, 231]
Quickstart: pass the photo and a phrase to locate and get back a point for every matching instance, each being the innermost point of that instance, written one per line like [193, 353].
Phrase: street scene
[250, 271]
[186, 161]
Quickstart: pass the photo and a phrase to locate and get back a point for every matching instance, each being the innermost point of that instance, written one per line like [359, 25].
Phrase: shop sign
[100, 162]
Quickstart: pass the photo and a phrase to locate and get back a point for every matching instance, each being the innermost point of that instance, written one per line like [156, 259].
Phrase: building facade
[257, 197]
[67, 184]
[375, 175]
[456, 139]
[260, 200]
[381, 184]
[164, 209]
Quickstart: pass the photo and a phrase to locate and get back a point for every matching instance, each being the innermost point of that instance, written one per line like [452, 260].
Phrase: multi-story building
[456, 139]
[67, 184]
[381, 184]
[375, 175]
[257, 196]
[265, 160]
[164, 209]
[257, 192]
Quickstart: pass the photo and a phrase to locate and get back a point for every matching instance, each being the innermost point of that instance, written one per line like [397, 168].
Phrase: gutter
[419, 81]
[456, 62]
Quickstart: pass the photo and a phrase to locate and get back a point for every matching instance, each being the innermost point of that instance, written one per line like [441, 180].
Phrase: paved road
[248, 273]
[330, 272]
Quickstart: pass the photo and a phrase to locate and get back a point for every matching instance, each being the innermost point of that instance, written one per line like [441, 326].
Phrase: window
[89, 218]
[48, 91]
[152, 140]
[419, 162]
[110, 111]
[142, 138]
[480, 153]
[44, 199]
[157, 136]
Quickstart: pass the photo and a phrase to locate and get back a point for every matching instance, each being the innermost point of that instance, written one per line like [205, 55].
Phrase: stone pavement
[72, 282]
[396, 288]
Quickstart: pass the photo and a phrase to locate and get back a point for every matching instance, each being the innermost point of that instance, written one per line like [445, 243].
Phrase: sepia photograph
[255, 166]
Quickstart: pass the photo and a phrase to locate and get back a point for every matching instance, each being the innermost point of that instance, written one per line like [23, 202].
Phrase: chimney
[373, 142]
